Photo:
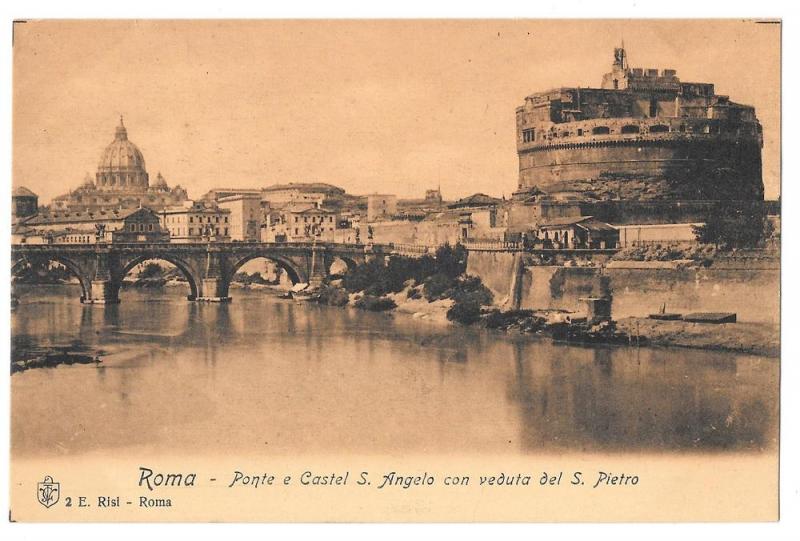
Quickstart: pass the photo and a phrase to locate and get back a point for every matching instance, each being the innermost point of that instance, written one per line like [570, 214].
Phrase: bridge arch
[349, 261]
[83, 277]
[295, 272]
[181, 265]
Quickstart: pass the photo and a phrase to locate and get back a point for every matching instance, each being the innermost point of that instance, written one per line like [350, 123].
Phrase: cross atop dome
[121, 134]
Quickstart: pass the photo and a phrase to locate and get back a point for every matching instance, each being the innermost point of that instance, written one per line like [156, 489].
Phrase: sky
[371, 106]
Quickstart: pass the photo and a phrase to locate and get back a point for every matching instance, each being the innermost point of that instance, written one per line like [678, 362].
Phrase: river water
[270, 376]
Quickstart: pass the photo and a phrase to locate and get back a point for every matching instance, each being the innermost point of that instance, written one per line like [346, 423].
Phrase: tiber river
[267, 375]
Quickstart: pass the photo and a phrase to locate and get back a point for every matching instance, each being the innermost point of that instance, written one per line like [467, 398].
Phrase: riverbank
[28, 357]
[742, 337]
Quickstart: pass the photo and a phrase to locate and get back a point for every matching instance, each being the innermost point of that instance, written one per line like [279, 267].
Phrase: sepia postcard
[395, 270]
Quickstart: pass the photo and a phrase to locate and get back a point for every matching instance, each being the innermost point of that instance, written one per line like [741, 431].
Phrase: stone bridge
[208, 267]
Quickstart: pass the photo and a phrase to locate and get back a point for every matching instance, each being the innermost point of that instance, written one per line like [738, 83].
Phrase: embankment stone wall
[753, 294]
[496, 270]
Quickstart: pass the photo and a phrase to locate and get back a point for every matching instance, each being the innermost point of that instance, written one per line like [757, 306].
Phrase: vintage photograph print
[395, 270]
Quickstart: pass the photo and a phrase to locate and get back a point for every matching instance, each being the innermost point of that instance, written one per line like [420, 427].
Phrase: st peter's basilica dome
[121, 166]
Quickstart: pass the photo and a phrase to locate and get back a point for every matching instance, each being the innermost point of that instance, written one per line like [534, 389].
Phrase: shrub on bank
[469, 295]
[437, 286]
[466, 312]
[333, 296]
[414, 293]
[467, 287]
[375, 304]
[377, 279]
[524, 320]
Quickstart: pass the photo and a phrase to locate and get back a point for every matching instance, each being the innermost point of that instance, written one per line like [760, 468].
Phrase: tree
[451, 260]
[734, 224]
[151, 270]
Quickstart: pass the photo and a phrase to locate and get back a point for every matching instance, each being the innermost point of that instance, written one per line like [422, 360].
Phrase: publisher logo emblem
[48, 492]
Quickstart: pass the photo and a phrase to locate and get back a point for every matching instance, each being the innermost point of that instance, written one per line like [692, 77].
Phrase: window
[191, 231]
[600, 130]
[630, 128]
[580, 131]
[653, 107]
[528, 135]
[191, 219]
[659, 128]
[226, 231]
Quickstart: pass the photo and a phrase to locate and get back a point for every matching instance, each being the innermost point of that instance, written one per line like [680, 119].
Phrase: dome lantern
[121, 134]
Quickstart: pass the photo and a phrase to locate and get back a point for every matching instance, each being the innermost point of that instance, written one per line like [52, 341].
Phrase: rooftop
[83, 216]
[22, 191]
[305, 187]
[476, 200]
[586, 222]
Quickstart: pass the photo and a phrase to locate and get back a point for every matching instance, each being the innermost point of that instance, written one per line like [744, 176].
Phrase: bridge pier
[102, 292]
[213, 290]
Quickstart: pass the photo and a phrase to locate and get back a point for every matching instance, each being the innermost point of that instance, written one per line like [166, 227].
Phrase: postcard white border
[789, 525]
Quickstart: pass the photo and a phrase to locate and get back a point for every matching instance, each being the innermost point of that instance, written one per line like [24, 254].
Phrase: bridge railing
[411, 249]
[494, 246]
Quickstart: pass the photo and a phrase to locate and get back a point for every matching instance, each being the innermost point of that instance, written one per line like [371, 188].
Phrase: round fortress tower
[644, 135]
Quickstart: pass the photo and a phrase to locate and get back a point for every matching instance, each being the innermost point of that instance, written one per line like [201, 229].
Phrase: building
[120, 182]
[196, 222]
[381, 207]
[433, 197]
[539, 207]
[316, 193]
[416, 209]
[664, 234]
[578, 232]
[300, 222]
[245, 216]
[643, 135]
[89, 227]
[215, 194]
[24, 203]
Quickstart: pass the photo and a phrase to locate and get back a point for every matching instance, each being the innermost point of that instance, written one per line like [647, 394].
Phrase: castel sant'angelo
[644, 135]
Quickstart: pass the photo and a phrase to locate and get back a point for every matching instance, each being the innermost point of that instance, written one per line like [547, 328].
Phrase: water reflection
[612, 398]
[271, 376]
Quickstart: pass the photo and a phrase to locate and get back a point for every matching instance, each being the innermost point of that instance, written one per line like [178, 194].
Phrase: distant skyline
[387, 106]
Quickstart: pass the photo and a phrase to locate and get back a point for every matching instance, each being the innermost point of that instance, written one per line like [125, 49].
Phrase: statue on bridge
[100, 232]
